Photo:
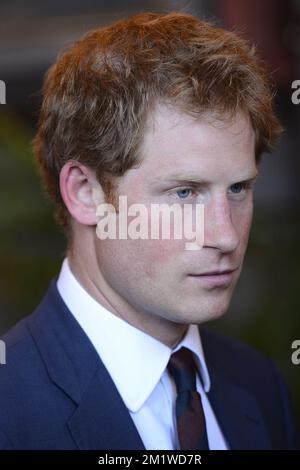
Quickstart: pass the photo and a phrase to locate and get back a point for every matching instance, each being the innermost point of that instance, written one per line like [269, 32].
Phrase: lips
[215, 273]
[211, 279]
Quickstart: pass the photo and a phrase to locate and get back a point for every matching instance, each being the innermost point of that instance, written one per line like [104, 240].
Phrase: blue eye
[183, 193]
[236, 188]
[241, 188]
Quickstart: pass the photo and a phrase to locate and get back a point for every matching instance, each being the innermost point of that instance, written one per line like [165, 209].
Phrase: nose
[219, 230]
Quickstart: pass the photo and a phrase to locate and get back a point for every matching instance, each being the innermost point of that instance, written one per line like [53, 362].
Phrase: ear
[81, 192]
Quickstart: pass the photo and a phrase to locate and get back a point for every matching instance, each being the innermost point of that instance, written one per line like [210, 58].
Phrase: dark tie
[191, 426]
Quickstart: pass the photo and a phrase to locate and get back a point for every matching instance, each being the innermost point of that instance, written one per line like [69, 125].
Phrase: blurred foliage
[265, 309]
[31, 247]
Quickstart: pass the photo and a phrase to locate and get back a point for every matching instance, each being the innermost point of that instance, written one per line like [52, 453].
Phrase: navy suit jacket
[55, 392]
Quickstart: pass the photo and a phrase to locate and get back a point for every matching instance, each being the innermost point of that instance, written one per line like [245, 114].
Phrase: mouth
[215, 278]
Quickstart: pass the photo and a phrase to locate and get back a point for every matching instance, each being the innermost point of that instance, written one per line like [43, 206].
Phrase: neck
[89, 276]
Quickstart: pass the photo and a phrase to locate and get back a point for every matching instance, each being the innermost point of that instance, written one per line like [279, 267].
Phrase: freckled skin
[147, 282]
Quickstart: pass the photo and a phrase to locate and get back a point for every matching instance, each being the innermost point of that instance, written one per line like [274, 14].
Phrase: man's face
[186, 161]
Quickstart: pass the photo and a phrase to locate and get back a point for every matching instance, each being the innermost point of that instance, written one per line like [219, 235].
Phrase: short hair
[98, 95]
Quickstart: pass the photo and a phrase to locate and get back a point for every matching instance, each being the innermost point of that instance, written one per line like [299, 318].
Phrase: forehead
[175, 142]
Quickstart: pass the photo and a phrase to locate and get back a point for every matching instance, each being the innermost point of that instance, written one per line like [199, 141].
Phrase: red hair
[99, 93]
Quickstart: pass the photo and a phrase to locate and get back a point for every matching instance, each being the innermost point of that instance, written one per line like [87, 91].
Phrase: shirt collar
[134, 359]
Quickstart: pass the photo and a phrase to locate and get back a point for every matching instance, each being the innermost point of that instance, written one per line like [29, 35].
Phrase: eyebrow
[193, 178]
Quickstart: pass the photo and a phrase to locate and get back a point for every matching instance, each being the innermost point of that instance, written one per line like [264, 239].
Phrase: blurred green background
[265, 311]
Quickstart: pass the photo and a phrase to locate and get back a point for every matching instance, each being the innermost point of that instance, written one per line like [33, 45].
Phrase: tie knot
[182, 368]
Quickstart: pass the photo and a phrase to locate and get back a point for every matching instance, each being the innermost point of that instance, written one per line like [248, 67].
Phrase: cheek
[154, 257]
[158, 257]
[243, 221]
[139, 259]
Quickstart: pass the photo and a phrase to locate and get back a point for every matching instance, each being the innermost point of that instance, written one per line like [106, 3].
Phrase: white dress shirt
[137, 364]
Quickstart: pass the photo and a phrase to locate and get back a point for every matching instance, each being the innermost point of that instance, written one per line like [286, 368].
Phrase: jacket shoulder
[32, 406]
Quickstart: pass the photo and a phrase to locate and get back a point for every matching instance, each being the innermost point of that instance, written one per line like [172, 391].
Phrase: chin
[215, 315]
[198, 314]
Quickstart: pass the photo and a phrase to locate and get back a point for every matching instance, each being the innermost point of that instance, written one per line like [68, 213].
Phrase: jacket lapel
[100, 420]
[238, 415]
[236, 409]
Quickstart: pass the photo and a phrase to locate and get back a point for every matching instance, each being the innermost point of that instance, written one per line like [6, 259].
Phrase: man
[159, 109]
